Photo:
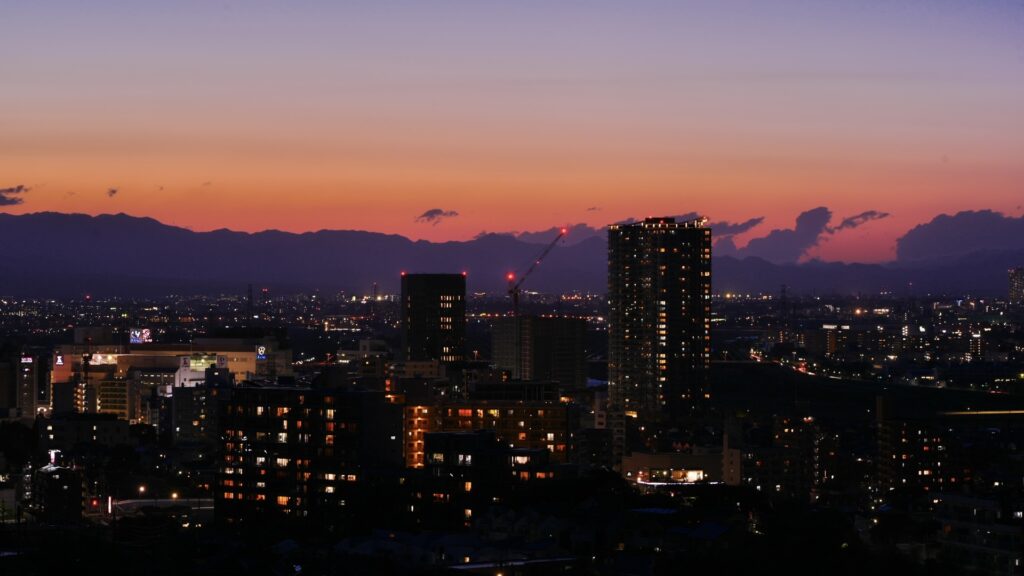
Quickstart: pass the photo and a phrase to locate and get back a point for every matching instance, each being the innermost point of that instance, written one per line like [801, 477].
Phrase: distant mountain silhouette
[53, 254]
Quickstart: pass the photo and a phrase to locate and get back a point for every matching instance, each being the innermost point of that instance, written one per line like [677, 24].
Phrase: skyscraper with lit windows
[1017, 286]
[659, 292]
[433, 317]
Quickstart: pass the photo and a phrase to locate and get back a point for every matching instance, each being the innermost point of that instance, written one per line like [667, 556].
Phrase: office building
[433, 317]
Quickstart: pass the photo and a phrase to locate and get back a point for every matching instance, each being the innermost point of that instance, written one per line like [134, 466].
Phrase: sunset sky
[304, 115]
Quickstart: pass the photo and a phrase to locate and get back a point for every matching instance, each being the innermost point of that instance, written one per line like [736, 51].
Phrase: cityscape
[435, 429]
[512, 289]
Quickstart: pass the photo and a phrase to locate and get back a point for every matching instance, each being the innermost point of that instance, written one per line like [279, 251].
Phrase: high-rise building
[433, 317]
[659, 291]
[1017, 286]
[550, 348]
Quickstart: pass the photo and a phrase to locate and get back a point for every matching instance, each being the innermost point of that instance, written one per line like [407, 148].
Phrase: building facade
[552, 349]
[659, 292]
[1017, 286]
[433, 317]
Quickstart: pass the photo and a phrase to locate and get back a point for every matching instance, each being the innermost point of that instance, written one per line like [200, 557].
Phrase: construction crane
[515, 287]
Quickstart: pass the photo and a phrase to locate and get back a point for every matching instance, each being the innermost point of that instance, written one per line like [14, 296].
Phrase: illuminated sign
[200, 362]
[60, 360]
[261, 352]
[26, 359]
[102, 359]
[140, 336]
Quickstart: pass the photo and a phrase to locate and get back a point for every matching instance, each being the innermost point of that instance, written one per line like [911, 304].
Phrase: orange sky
[259, 117]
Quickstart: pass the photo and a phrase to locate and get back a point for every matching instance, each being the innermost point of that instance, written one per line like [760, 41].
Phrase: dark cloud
[725, 246]
[962, 233]
[720, 229]
[863, 217]
[580, 232]
[779, 245]
[434, 216]
[789, 244]
[12, 196]
[111, 192]
[687, 216]
[574, 235]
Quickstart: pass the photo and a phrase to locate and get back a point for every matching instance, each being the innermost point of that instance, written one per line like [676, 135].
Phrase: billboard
[140, 336]
[261, 352]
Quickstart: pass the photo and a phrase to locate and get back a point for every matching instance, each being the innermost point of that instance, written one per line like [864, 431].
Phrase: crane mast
[515, 289]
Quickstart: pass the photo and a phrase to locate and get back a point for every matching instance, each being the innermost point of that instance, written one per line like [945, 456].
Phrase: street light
[174, 495]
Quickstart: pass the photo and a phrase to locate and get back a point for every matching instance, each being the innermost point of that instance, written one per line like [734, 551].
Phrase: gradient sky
[303, 115]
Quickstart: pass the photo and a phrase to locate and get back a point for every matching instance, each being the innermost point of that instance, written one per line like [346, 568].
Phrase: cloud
[579, 232]
[779, 245]
[724, 229]
[111, 192]
[12, 196]
[434, 216]
[725, 247]
[574, 234]
[863, 217]
[594, 209]
[789, 244]
[962, 233]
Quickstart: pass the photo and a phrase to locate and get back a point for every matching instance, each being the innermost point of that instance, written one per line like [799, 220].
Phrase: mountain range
[51, 254]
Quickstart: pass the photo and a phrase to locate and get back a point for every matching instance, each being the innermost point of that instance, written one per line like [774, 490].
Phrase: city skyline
[393, 119]
[512, 288]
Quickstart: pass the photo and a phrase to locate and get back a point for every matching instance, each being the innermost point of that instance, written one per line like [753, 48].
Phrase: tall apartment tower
[1017, 286]
[659, 332]
[433, 317]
